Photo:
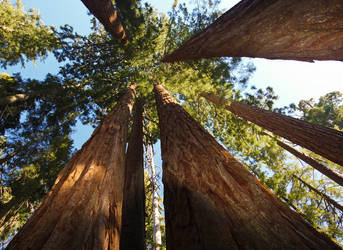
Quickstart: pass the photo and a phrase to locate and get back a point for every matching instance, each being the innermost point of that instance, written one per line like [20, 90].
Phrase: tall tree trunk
[83, 210]
[157, 236]
[107, 15]
[331, 174]
[212, 201]
[304, 30]
[133, 229]
[327, 198]
[324, 141]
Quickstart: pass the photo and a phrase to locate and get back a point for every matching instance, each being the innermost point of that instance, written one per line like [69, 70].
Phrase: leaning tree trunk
[107, 15]
[14, 99]
[327, 198]
[83, 210]
[133, 229]
[324, 141]
[331, 174]
[157, 235]
[304, 30]
[212, 201]
[9, 212]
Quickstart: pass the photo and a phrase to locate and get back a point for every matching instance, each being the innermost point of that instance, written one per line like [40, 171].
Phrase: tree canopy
[23, 36]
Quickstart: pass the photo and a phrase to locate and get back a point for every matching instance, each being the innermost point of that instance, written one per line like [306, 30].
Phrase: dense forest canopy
[37, 117]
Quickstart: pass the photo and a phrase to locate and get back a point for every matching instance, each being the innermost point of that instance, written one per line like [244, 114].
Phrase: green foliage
[23, 35]
[36, 144]
[327, 112]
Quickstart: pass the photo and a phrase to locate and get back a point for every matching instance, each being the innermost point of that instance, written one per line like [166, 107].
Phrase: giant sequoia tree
[84, 207]
[95, 73]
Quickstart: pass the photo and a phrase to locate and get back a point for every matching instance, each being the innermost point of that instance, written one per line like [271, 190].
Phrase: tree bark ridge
[304, 30]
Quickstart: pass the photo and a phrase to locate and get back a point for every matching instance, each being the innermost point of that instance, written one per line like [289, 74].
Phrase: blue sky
[291, 80]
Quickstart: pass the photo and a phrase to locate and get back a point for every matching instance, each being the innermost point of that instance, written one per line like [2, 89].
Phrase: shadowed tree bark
[324, 141]
[212, 201]
[83, 210]
[133, 229]
[304, 30]
[107, 15]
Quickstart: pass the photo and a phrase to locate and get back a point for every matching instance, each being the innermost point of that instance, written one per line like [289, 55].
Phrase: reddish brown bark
[333, 175]
[83, 210]
[304, 30]
[324, 141]
[107, 15]
[133, 227]
[212, 201]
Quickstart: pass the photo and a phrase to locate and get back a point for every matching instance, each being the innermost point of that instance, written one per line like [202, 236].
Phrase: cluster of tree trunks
[83, 210]
[212, 201]
[107, 15]
[303, 30]
[324, 141]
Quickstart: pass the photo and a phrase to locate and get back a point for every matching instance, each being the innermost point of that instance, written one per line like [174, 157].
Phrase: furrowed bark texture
[212, 201]
[104, 11]
[324, 141]
[304, 30]
[83, 210]
[333, 175]
[133, 229]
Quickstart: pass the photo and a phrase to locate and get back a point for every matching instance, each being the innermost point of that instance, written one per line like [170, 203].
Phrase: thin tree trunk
[212, 201]
[14, 98]
[7, 158]
[9, 211]
[107, 15]
[157, 236]
[304, 30]
[24, 191]
[324, 141]
[331, 174]
[21, 97]
[83, 210]
[133, 229]
[327, 198]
